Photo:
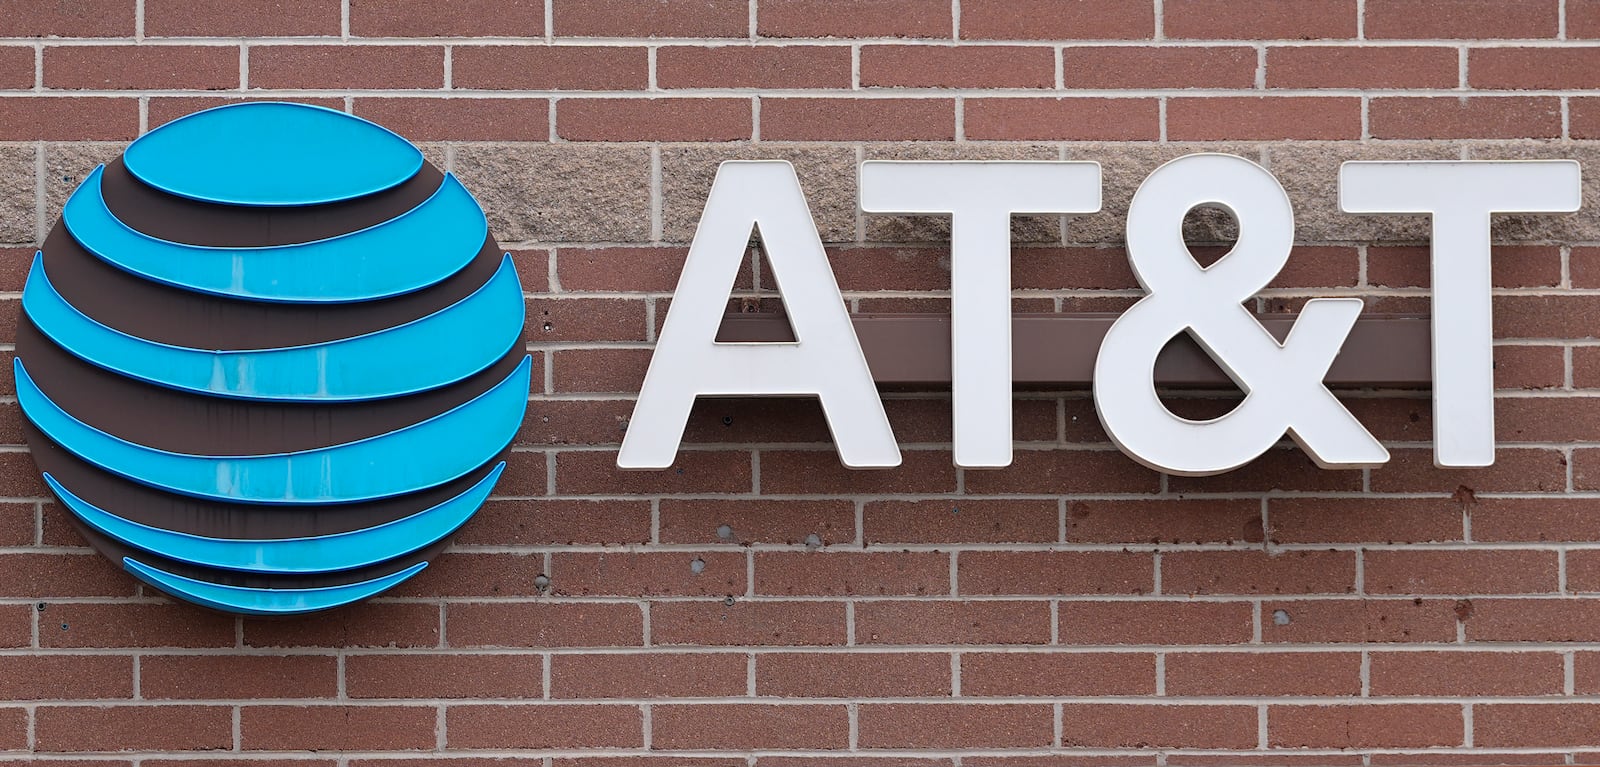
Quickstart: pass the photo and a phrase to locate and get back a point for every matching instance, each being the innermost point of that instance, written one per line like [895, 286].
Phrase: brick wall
[758, 605]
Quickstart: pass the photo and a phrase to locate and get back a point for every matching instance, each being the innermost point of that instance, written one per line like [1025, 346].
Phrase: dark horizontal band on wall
[1392, 351]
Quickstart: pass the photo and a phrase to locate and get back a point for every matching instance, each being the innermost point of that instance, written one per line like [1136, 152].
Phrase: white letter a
[824, 361]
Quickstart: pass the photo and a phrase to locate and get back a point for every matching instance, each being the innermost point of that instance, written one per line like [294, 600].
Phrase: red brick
[1585, 367]
[612, 371]
[1041, 674]
[926, 622]
[1056, 20]
[17, 522]
[760, 520]
[854, 18]
[1534, 520]
[432, 119]
[1154, 622]
[1359, 620]
[1164, 521]
[960, 521]
[639, 761]
[1466, 674]
[955, 725]
[551, 522]
[333, 727]
[61, 575]
[165, 109]
[576, 422]
[1545, 316]
[87, 18]
[1453, 117]
[856, 119]
[1065, 471]
[848, 761]
[421, 18]
[1241, 118]
[1146, 726]
[444, 676]
[16, 67]
[1585, 672]
[241, 18]
[544, 624]
[1532, 620]
[1411, 471]
[14, 729]
[132, 625]
[65, 677]
[1365, 520]
[764, 66]
[16, 625]
[1257, 572]
[1583, 19]
[247, 762]
[819, 573]
[656, 675]
[236, 677]
[944, 66]
[1529, 367]
[1315, 66]
[1467, 19]
[655, 119]
[642, 269]
[370, 624]
[1254, 674]
[341, 67]
[721, 624]
[757, 420]
[74, 118]
[651, 18]
[1460, 572]
[696, 471]
[805, 471]
[1525, 266]
[550, 726]
[1246, 19]
[550, 68]
[657, 573]
[749, 726]
[1533, 68]
[1583, 571]
[1530, 419]
[1159, 67]
[558, 320]
[465, 573]
[133, 728]
[853, 675]
[1364, 726]
[1055, 572]
[1062, 119]
[1511, 725]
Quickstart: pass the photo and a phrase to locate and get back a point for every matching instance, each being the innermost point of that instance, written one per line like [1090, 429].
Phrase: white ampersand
[1282, 381]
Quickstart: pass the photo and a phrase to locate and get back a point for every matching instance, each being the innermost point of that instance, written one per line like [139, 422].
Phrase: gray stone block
[827, 176]
[936, 229]
[555, 193]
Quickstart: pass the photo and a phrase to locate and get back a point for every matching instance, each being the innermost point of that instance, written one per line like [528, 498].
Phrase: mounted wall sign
[270, 358]
[1284, 375]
